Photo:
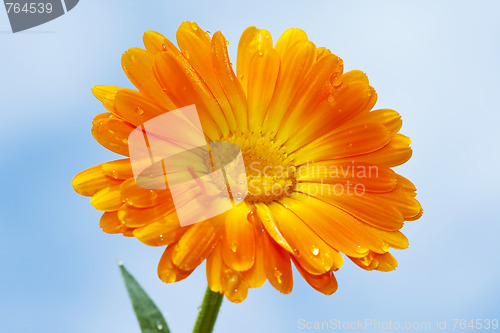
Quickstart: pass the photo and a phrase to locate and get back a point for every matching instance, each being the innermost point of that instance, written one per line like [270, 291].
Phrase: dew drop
[349, 145]
[159, 326]
[331, 99]
[277, 274]
[139, 111]
[315, 250]
[194, 26]
[234, 246]
[336, 79]
[132, 57]
[168, 276]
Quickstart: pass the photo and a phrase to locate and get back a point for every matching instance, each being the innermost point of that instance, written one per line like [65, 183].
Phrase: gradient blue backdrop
[436, 62]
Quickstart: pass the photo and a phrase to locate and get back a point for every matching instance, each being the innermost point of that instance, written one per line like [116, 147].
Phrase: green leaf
[149, 316]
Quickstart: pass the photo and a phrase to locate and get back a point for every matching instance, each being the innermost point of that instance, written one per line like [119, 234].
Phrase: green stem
[209, 310]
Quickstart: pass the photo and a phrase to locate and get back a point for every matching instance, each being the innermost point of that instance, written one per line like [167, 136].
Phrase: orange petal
[337, 109]
[288, 39]
[277, 266]
[196, 47]
[263, 72]
[135, 108]
[355, 228]
[293, 68]
[91, 181]
[137, 217]
[322, 51]
[110, 223]
[313, 254]
[138, 63]
[357, 140]
[336, 228]
[108, 199]
[252, 41]
[395, 153]
[140, 197]
[381, 262]
[235, 288]
[223, 279]
[238, 241]
[161, 233]
[389, 118]
[196, 245]
[228, 81]
[358, 176]
[267, 219]
[324, 283]
[167, 271]
[315, 87]
[119, 169]
[156, 42]
[256, 276]
[112, 133]
[184, 85]
[354, 76]
[214, 269]
[367, 207]
[107, 94]
[386, 211]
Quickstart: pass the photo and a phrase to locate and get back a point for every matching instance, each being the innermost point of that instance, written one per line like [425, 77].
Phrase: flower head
[318, 161]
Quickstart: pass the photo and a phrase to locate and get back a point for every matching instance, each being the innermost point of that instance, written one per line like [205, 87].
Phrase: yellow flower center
[269, 169]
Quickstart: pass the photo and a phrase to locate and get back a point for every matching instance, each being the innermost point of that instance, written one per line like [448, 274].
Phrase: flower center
[269, 170]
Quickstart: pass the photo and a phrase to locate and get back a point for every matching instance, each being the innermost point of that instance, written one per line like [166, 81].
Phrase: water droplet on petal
[336, 79]
[330, 99]
[277, 274]
[234, 246]
[315, 250]
[139, 111]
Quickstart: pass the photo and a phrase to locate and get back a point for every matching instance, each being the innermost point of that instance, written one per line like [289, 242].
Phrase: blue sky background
[436, 62]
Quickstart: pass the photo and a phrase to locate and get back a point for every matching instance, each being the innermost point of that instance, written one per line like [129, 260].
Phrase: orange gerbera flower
[320, 184]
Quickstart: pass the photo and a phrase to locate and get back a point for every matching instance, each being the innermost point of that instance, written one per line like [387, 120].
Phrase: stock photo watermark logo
[170, 152]
[28, 14]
